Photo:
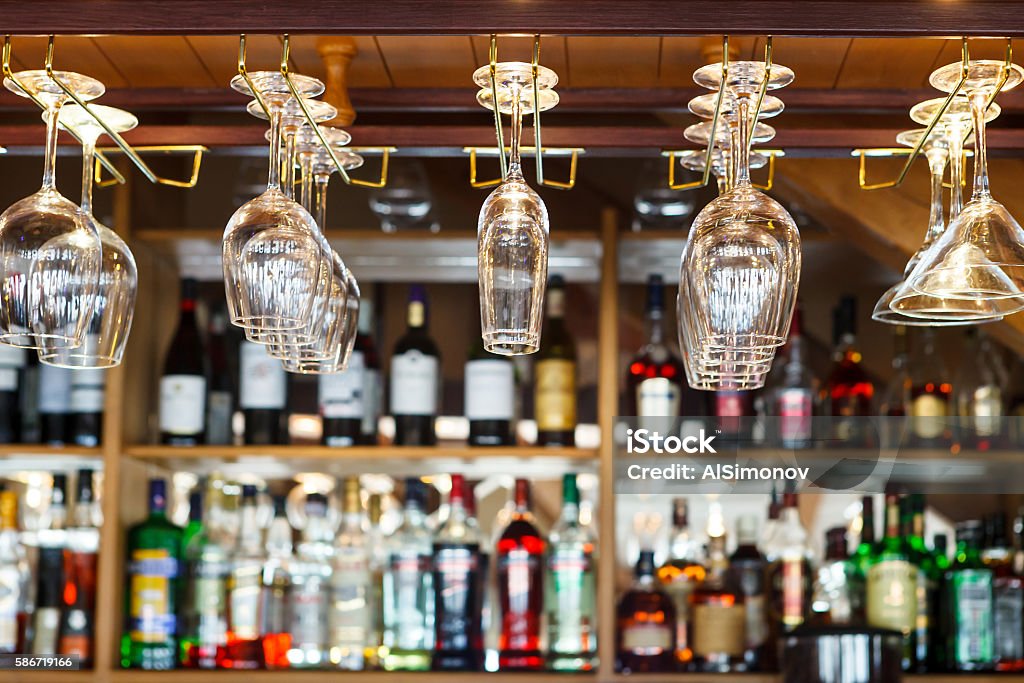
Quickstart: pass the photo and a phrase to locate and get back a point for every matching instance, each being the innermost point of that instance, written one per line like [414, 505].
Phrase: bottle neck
[249, 528]
[655, 327]
[279, 538]
[892, 518]
[417, 315]
[556, 303]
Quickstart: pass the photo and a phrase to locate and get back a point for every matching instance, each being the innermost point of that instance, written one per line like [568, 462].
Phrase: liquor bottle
[896, 400]
[971, 620]
[458, 587]
[571, 591]
[746, 571]
[978, 396]
[183, 384]
[940, 658]
[154, 556]
[28, 400]
[838, 594]
[350, 400]
[349, 619]
[204, 628]
[408, 590]
[866, 545]
[490, 388]
[930, 396]
[275, 629]
[655, 383]
[14, 578]
[1008, 596]
[929, 580]
[891, 597]
[849, 392]
[771, 523]
[311, 576]
[221, 397]
[55, 404]
[88, 387]
[682, 572]
[645, 624]
[244, 650]
[12, 363]
[263, 395]
[46, 616]
[791, 399]
[520, 556]
[80, 557]
[734, 413]
[194, 525]
[789, 571]
[378, 557]
[719, 616]
[415, 377]
[554, 381]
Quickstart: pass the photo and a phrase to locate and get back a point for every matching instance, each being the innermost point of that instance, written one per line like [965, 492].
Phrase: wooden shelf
[40, 457]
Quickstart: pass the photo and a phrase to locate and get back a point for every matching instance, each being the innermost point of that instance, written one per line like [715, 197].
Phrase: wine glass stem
[88, 159]
[306, 196]
[517, 126]
[288, 173]
[274, 177]
[742, 149]
[978, 101]
[50, 155]
[955, 135]
[320, 210]
[937, 165]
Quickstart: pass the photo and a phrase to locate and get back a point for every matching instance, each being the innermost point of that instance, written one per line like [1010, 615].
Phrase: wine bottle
[350, 400]
[897, 394]
[54, 404]
[12, 360]
[792, 397]
[80, 558]
[221, 399]
[490, 385]
[655, 383]
[646, 639]
[555, 374]
[15, 576]
[263, 395]
[849, 392]
[88, 388]
[183, 384]
[930, 395]
[521, 587]
[978, 397]
[415, 377]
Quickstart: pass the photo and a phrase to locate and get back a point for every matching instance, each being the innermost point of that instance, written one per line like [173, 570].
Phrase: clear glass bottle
[791, 399]
[244, 650]
[838, 594]
[349, 619]
[204, 606]
[275, 592]
[978, 396]
[378, 557]
[14, 578]
[571, 592]
[408, 594]
[930, 395]
[679, 575]
[789, 570]
[311, 576]
[1008, 595]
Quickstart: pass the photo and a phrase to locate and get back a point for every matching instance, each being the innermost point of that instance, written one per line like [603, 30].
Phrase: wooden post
[337, 53]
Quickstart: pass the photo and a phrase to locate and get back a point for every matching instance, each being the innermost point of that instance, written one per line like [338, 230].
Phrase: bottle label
[986, 409]
[1009, 601]
[182, 404]
[794, 578]
[795, 409]
[341, 393]
[927, 411]
[54, 389]
[555, 404]
[350, 612]
[571, 615]
[264, 382]
[455, 568]
[244, 597]
[972, 606]
[373, 398]
[647, 638]
[87, 387]
[490, 389]
[210, 605]
[11, 596]
[150, 606]
[309, 614]
[414, 383]
[718, 629]
[409, 595]
[12, 360]
[658, 397]
[749, 576]
[892, 595]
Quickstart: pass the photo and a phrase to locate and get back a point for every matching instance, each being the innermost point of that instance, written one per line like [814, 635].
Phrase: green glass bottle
[928, 581]
[939, 659]
[554, 378]
[971, 626]
[152, 588]
[203, 628]
[892, 581]
[195, 519]
[866, 547]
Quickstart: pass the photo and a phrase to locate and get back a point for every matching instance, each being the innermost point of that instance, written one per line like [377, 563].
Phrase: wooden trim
[452, 17]
[156, 453]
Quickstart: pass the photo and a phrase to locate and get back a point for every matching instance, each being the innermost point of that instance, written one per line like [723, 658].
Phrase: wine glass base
[983, 75]
[744, 76]
[910, 138]
[335, 137]
[291, 112]
[506, 99]
[508, 73]
[510, 343]
[273, 82]
[75, 118]
[957, 115]
[39, 83]
[704, 106]
[693, 160]
[73, 360]
[700, 134]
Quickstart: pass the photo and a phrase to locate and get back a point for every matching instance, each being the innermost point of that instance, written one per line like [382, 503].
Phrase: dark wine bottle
[350, 400]
[183, 384]
[221, 398]
[555, 374]
[490, 386]
[54, 404]
[415, 377]
[88, 390]
[263, 395]
[12, 360]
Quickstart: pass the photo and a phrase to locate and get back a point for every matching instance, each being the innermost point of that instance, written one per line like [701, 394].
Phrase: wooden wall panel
[429, 61]
[889, 62]
[613, 62]
[72, 53]
[160, 61]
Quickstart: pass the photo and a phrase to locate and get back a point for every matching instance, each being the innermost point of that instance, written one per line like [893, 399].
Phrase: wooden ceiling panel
[429, 61]
[952, 51]
[72, 53]
[902, 63]
[553, 52]
[609, 62]
[815, 61]
[157, 61]
[219, 54]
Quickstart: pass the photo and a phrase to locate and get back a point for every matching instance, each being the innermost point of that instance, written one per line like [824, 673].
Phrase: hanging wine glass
[49, 255]
[111, 319]
[271, 249]
[742, 259]
[981, 254]
[512, 229]
[693, 160]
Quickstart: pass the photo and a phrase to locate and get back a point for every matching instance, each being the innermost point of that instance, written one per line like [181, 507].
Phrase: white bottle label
[87, 390]
[490, 389]
[182, 404]
[657, 397]
[264, 383]
[54, 389]
[414, 384]
[12, 359]
[342, 394]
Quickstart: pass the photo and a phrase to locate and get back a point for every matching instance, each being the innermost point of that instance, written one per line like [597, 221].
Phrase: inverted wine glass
[111, 320]
[512, 229]
[49, 255]
[981, 255]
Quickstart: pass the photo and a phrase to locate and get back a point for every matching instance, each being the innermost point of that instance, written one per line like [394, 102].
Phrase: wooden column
[337, 53]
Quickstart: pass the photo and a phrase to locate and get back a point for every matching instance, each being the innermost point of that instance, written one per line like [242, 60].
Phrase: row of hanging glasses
[285, 285]
[740, 268]
[973, 270]
[67, 283]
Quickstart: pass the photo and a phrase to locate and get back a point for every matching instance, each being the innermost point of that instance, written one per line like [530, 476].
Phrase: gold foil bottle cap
[375, 509]
[351, 500]
[8, 510]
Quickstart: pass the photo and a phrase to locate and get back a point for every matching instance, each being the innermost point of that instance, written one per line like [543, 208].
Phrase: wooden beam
[452, 17]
